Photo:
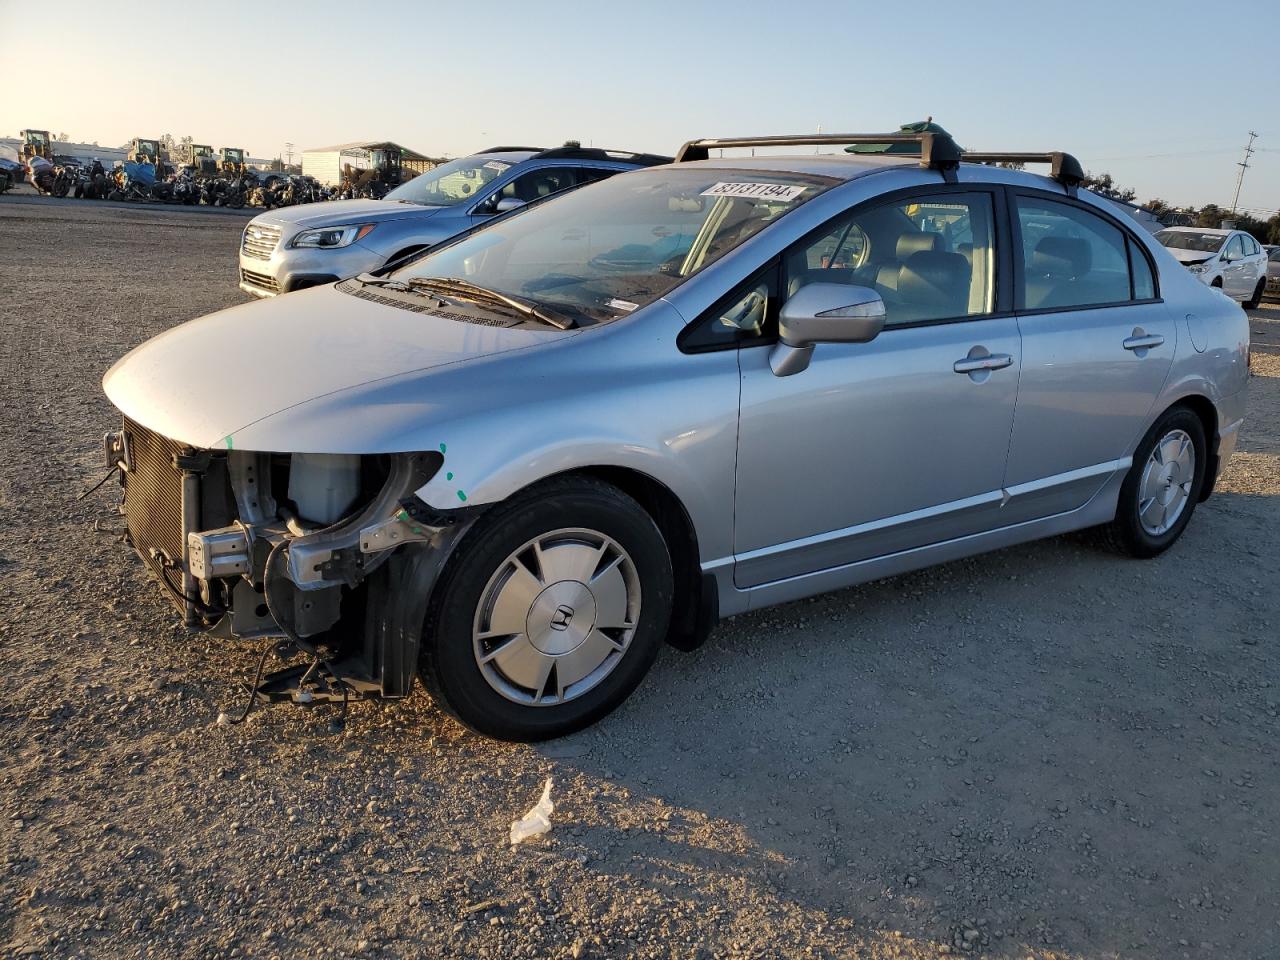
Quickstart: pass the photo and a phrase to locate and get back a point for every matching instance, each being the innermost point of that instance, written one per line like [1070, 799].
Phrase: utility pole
[288, 154]
[1243, 165]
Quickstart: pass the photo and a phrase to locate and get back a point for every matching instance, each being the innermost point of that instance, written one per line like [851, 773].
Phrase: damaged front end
[333, 555]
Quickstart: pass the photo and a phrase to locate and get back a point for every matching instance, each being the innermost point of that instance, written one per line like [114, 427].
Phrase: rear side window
[1074, 258]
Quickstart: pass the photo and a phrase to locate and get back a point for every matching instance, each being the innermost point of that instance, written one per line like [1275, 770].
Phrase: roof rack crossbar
[512, 149]
[937, 150]
[599, 153]
[1063, 167]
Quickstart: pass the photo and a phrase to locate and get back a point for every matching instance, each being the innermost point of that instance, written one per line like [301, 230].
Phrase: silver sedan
[517, 466]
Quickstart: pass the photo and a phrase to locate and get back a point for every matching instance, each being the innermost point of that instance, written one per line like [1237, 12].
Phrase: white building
[327, 163]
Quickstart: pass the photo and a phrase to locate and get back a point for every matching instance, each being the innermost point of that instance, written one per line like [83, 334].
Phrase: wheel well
[694, 607]
[1205, 411]
[1217, 282]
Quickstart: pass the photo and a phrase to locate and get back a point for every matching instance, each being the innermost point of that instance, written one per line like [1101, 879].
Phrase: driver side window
[534, 185]
[929, 257]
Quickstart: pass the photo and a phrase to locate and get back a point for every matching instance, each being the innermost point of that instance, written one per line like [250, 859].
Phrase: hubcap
[1166, 482]
[556, 617]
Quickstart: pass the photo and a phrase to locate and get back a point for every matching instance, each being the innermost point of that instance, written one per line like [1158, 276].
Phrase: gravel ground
[1045, 752]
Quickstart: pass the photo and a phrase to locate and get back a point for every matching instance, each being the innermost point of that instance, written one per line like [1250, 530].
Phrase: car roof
[1215, 231]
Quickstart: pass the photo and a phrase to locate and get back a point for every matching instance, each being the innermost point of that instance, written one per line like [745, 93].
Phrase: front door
[880, 447]
[1097, 345]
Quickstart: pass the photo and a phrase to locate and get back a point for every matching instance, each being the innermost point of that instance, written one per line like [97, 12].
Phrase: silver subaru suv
[316, 243]
[518, 465]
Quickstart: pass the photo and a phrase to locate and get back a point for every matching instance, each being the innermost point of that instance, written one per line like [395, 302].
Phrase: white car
[1231, 260]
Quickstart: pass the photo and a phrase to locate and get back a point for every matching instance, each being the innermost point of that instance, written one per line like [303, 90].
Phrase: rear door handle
[1144, 342]
[994, 361]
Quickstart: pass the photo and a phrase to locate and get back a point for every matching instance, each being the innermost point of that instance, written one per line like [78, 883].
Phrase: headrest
[935, 274]
[1062, 257]
[918, 242]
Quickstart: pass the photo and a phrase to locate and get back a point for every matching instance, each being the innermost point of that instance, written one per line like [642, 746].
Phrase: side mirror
[507, 203]
[824, 313]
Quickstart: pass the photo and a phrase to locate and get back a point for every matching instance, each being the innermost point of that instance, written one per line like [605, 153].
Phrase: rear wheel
[1252, 302]
[550, 614]
[1162, 488]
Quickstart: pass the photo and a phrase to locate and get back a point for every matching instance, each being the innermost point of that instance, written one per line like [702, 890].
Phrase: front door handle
[1143, 342]
[993, 361]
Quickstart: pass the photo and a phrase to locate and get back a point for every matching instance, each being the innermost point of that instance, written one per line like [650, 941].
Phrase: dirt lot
[1043, 752]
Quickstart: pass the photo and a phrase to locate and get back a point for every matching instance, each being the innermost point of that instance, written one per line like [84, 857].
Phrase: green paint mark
[227, 441]
[462, 496]
[443, 448]
[449, 476]
[403, 515]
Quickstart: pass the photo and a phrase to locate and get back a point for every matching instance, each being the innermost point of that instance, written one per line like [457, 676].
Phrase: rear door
[1097, 346]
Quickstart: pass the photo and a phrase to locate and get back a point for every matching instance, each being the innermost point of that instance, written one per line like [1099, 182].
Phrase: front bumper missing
[267, 575]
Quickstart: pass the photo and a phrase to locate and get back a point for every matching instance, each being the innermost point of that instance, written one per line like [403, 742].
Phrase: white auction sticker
[496, 165]
[757, 191]
[626, 305]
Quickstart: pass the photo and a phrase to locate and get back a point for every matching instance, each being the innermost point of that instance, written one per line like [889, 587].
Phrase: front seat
[932, 285]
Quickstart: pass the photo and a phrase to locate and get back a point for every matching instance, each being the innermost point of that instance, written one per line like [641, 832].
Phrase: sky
[1152, 92]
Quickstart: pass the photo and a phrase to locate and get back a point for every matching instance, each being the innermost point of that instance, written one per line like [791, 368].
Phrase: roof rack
[511, 149]
[1063, 167]
[574, 151]
[937, 151]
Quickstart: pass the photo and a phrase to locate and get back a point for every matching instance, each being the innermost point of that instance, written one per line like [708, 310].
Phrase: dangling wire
[253, 688]
[110, 473]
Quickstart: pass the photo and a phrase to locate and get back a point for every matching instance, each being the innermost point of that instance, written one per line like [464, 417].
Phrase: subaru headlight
[329, 237]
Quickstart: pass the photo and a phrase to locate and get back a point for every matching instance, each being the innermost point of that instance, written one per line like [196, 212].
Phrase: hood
[331, 213]
[1190, 256]
[200, 382]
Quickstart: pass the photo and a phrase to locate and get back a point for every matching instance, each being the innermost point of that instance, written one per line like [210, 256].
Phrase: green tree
[1105, 185]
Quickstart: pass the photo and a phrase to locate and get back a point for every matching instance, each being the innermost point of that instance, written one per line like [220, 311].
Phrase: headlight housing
[1197, 268]
[330, 237]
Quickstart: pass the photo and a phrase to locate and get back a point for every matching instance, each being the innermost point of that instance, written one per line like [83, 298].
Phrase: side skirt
[1100, 509]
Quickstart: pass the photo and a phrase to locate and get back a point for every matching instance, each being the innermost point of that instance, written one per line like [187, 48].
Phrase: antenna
[1243, 165]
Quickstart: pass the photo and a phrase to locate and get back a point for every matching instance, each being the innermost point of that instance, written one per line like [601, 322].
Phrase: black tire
[447, 664]
[1252, 302]
[1126, 533]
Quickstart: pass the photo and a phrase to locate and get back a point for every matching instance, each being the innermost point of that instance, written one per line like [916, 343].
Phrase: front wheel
[550, 613]
[1162, 488]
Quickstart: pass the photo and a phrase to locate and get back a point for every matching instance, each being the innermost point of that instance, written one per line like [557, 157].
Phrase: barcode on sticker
[757, 191]
[626, 305]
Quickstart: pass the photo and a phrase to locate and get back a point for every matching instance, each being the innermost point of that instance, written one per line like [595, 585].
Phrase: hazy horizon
[1105, 82]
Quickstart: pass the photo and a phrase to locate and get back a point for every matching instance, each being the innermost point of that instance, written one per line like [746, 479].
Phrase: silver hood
[331, 213]
[201, 382]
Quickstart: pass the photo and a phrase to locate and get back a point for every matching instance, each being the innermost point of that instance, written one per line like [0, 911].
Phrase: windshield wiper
[471, 291]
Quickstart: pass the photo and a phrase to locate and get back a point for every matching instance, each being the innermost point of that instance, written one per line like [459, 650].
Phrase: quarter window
[929, 258]
[1072, 258]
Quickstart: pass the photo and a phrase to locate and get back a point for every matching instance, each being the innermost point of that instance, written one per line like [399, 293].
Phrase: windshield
[451, 182]
[1181, 240]
[606, 249]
